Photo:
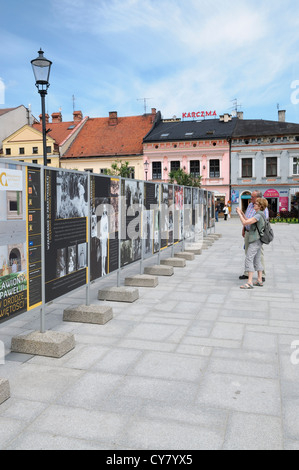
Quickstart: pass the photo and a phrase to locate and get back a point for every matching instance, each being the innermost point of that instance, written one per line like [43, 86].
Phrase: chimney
[281, 115]
[77, 116]
[154, 113]
[113, 118]
[46, 118]
[225, 117]
[240, 115]
[56, 117]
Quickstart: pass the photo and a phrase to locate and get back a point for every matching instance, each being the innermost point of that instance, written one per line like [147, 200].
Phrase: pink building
[201, 148]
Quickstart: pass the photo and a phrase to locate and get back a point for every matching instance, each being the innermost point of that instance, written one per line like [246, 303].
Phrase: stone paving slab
[195, 363]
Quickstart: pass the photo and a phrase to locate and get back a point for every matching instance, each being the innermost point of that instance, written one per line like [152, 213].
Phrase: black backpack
[267, 234]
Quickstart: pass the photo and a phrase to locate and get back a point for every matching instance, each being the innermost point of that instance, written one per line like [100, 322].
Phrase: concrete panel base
[4, 390]
[208, 241]
[95, 314]
[175, 262]
[196, 249]
[142, 280]
[185, 255]
[50, 344]
[158, 270]
[119, 294]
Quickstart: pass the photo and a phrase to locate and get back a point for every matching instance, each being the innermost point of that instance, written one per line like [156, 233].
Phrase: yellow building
[26, 145]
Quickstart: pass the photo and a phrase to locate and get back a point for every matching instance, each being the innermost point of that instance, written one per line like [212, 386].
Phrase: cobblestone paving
[194, 363]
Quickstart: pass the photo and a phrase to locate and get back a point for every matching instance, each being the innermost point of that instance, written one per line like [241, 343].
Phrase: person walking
[250, 212]
[253, 256]
[216, 212]
[226, 212]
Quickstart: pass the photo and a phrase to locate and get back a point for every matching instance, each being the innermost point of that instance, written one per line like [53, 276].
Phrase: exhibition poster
[13, 241]
[132, 204]
[66, 232]
[150, 219]
[104, 209]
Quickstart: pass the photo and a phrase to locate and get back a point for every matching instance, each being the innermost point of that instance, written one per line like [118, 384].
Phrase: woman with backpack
[253, 255]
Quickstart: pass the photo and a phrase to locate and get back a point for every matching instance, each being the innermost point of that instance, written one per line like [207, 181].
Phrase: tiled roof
[59, 130]
[6, 110]
[191, 130]
[102, 137]
[260, 127]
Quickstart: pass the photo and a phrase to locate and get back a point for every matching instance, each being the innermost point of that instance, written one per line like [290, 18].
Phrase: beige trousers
[262, 254]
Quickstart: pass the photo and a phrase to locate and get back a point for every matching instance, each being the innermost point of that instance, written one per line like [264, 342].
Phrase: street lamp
[41, 69]
[146, 165]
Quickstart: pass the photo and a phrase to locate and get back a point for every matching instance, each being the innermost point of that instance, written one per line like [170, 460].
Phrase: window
[49, 160]
[175, 165]
[214, 169]
[195, 168]
[132, 172]
[49, 149]
[246, 167]
[34, 161]
[157, 170]
[103, 171]
[35, 150]
[14, 205]
[21, 151]
[296, 166]
[271, 166]
[7, 151]
[90, 170]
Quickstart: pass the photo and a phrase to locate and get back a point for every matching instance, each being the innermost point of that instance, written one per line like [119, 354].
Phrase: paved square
[194, 363]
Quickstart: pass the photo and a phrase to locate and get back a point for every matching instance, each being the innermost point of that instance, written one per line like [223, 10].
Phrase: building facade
[102, 141]
[12, 119]
[26, 143]
[265, 156]
[201, 148]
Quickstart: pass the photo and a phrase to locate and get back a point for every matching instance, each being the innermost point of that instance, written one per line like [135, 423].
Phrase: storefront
[272, 197]
[279, 199]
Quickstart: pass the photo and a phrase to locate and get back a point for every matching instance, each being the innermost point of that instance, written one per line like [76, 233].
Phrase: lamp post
[41, 69]
[146, 165]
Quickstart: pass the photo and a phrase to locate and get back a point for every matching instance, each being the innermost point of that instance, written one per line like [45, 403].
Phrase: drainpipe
[230, 173]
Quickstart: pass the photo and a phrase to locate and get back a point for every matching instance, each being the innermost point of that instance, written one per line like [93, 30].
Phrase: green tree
[183, 178]
[118, 168]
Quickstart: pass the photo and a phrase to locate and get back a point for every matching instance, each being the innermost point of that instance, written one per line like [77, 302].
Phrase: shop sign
[271, 193]
[199, 114]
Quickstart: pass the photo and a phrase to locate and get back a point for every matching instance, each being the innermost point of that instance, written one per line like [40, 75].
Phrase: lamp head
[41, 69]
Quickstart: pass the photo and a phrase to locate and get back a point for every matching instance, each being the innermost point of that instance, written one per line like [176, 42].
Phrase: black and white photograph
[61, 262]
[156, 231]
[71, 195]
[114, 201]
[72, 259]
[136, 248]
[82, 256]
[147, 232]
[126, 252]
[103, 235]
[151, 195]
[133, 191]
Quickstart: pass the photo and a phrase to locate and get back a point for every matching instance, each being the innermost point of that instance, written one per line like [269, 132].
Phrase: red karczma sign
[199, 114]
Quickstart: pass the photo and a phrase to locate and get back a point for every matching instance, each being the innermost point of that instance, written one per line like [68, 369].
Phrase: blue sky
[182, 55]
